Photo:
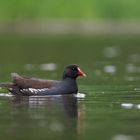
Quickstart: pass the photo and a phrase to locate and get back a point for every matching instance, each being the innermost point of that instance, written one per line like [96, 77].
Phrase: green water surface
[111, 108]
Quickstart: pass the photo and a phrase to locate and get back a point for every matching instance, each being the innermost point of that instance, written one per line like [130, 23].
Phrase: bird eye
[73, 68]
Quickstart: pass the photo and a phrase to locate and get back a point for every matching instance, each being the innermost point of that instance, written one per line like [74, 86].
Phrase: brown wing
[24, 83]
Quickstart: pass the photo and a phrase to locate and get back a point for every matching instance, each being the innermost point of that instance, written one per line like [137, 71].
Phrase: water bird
[39, 87]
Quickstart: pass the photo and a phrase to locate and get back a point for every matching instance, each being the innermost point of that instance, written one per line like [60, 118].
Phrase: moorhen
[39, 87]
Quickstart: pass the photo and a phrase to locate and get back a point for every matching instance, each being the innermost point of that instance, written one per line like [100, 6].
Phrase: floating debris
[130, 106]
[123, 137]
[137, 106]
[110, 69]
[48, 67]
[127, 105]
[111, 51]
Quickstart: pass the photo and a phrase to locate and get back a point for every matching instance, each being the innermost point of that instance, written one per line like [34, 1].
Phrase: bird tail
[14, 78]
[6, 85]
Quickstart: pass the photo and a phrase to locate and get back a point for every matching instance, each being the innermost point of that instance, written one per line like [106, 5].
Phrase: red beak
[80, 72]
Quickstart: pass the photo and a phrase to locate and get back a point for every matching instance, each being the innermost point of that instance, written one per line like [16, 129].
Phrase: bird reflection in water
[62, 113]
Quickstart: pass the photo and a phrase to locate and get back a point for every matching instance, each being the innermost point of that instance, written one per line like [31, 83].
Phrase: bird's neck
[71, 84]
[68, 78]
[71, 81]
